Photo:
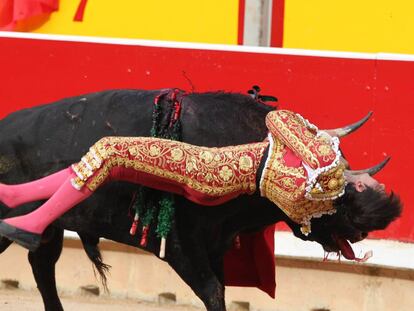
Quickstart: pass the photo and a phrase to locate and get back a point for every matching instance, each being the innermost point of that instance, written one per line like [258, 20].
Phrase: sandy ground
[16, 299]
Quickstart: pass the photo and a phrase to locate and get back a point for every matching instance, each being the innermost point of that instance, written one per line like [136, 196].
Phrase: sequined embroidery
[288, 127]
[212, 171]
[301, 194]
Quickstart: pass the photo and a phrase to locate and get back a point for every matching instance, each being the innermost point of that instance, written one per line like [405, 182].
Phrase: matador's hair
[368, 210]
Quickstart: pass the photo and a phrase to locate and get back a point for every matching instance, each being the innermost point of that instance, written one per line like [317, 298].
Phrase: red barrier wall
[330, 91]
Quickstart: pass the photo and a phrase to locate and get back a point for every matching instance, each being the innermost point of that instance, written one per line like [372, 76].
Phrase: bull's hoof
[28, 240]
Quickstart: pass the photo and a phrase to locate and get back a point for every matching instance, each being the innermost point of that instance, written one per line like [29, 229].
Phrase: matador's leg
[41, 189]
[63, 194]
[26, 230]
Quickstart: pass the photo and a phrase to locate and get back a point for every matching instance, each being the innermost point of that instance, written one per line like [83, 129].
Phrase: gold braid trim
[285, 186]
[301, 194]
[316, 151]
[291, 131]
[212, 171]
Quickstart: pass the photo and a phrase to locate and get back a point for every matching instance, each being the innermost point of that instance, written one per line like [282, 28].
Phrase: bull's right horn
[343, 131]
[372, 170]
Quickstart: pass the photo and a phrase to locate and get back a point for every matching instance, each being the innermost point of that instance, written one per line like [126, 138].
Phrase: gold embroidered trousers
[208, 176]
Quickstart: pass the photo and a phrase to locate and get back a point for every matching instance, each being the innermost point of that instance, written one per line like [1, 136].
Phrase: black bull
[38, 141]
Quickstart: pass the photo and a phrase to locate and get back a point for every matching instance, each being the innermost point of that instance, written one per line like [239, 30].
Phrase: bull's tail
[90, 245]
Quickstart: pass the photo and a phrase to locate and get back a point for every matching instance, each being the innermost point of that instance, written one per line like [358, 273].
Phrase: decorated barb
[147, 211]
[134, 226]
[144, 237]
[167, 103]
[165, 215]
[145, 207]
[269, 100]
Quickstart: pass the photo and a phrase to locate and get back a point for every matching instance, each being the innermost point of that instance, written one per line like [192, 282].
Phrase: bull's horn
[372, 170]
[343, 131]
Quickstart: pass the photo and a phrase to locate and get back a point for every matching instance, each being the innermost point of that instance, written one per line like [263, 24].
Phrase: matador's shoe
[27, 239]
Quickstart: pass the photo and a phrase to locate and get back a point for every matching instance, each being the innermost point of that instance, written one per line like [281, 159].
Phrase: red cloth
[253, 265]
[13, 11]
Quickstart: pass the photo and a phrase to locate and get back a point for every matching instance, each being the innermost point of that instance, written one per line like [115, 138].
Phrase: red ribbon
[144, 238]
[80, 11]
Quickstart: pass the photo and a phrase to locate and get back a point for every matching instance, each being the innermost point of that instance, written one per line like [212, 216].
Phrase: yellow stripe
[212, 21]
[351, 25]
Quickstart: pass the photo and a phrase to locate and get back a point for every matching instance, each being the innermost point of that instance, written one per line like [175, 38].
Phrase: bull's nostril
[359, 237]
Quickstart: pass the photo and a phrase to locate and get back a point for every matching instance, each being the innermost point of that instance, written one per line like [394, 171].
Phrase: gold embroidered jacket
[303, 173]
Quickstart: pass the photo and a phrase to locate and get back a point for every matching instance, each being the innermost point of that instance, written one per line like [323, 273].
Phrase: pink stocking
[65, 197]
[44, 188]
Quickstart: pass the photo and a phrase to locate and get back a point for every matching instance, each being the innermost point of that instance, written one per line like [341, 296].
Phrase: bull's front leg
[43, 262]
[190, 260]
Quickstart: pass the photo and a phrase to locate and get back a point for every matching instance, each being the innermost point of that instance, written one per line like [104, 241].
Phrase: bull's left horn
[372, 170]
[343, 131]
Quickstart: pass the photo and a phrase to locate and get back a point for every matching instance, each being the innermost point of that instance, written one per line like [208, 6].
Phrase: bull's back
[46, 138]
[41, 140]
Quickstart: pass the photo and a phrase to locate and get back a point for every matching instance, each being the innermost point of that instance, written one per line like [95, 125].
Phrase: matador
[298, 167]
